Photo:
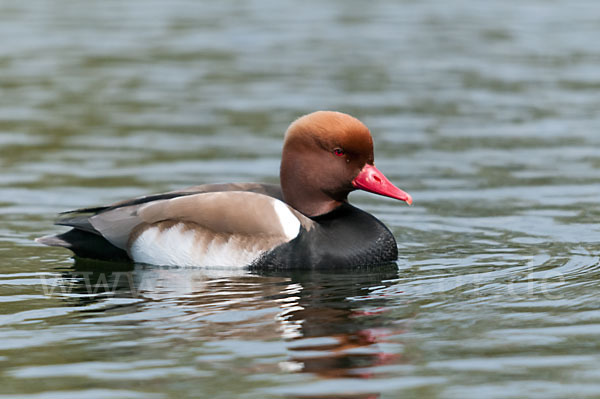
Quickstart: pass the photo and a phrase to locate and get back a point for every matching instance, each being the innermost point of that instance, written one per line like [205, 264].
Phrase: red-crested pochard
[305, 223]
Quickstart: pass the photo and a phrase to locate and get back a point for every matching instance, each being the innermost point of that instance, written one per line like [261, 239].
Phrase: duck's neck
[301, 189]
[309, 204]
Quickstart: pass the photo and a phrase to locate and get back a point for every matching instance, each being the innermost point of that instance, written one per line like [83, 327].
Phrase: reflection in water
[337, 338]
[332, 322]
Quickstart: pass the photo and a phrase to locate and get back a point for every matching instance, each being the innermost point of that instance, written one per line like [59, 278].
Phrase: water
[486, 112]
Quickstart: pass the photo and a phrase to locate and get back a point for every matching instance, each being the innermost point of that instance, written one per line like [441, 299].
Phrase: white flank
[178, 246]
[289, 222]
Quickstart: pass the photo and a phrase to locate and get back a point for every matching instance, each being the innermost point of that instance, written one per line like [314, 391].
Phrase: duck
[306, 222]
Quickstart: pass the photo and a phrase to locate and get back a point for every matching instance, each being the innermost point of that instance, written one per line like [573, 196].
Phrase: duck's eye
[339, 152]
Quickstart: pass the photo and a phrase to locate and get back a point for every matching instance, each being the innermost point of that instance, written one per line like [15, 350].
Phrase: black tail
[86, 245]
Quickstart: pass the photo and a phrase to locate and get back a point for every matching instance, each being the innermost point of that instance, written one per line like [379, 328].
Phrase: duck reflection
[333, 321]
[336, 323]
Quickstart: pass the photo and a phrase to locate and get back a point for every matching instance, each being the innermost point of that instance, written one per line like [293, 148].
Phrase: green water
[486, 112]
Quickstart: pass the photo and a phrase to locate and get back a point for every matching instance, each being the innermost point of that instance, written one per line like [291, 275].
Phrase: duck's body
[275, 236]
[305, 223]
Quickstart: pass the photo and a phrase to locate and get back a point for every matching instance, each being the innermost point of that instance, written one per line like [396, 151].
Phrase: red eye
[339, 152]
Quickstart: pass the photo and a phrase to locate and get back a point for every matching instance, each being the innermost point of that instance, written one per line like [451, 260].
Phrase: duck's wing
[232, 228]
[226, 212]
[272, 190]
[190, 229]
[87, 242]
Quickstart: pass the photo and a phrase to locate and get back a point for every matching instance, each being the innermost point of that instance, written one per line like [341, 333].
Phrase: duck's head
[326, 155]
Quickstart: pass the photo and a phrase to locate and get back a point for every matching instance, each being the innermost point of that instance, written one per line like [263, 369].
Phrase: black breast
[345, 237]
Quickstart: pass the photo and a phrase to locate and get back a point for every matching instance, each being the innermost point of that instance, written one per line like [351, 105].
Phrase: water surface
[486, 112]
